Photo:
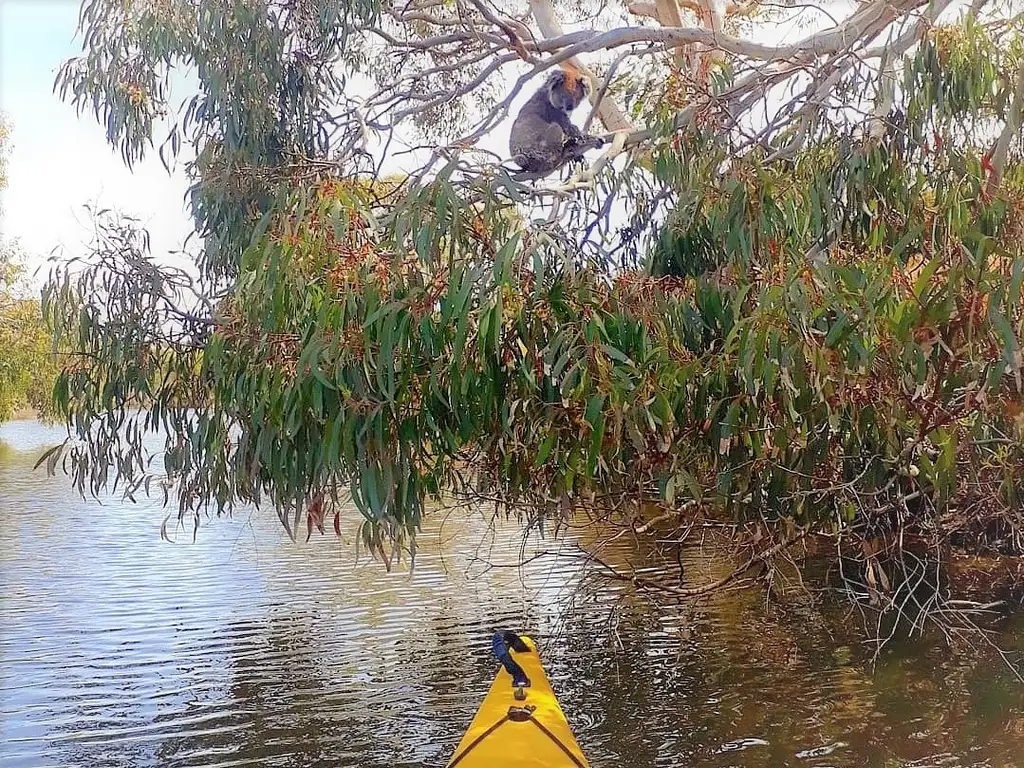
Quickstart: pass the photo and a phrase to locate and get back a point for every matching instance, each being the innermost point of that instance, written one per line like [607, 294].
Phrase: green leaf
[838, 331]
[616, 354]
[545, 449]
[390, 307]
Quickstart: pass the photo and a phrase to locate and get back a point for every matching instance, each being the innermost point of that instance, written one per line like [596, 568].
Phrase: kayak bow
[519, 724]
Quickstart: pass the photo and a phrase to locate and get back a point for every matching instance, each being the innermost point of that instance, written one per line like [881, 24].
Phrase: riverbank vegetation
[784, 300]
[28, 369]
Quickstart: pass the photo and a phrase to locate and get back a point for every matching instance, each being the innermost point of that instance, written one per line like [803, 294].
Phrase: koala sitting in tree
[543, 138]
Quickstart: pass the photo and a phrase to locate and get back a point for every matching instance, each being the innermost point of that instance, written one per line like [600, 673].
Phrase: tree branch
[1002, 148]
[650, 10]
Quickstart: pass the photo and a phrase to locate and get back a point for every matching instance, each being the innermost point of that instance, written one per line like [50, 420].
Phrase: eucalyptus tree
[786, 292]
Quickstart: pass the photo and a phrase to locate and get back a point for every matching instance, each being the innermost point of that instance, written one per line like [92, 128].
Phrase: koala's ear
[556, 80]
[582, 89]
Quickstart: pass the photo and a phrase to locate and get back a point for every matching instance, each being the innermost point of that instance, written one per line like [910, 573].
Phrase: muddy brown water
[244, 649]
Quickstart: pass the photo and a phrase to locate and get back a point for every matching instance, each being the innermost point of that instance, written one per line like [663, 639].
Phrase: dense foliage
[820, 328]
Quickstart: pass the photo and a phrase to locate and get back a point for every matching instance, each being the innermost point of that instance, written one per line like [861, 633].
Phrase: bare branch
[1010, 130]
[603, 90]
[650, 10]
[509, 27]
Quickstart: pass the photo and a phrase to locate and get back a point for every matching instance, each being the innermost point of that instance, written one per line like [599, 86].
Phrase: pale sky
[59, 161]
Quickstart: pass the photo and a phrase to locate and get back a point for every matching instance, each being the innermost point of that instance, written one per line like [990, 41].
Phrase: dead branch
[667, 515]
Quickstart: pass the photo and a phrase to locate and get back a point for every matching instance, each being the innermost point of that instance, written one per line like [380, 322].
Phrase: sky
[60, 161]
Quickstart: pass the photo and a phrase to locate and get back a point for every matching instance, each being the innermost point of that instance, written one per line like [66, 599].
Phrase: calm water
[118, 649]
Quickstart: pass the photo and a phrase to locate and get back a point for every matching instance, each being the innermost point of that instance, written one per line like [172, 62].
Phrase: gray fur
[543, 137]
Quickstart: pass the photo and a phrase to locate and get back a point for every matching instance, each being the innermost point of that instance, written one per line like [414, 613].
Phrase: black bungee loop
[501, 642]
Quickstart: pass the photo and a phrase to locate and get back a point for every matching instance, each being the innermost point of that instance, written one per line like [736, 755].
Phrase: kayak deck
[527, 732]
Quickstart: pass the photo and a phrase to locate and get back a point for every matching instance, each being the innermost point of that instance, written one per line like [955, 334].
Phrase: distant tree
[28, 367]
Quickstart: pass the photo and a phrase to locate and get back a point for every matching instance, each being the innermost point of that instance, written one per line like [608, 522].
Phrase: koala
[543, 138]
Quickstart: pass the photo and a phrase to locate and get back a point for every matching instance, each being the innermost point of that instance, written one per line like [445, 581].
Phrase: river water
[119, 649]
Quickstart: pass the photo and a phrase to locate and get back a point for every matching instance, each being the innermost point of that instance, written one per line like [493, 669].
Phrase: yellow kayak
[519, 724]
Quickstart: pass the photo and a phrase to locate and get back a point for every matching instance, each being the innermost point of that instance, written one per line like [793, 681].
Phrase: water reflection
[121, 650]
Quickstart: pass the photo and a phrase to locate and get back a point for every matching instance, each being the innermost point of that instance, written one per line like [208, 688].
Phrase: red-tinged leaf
[337, 524]
[315, 516]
